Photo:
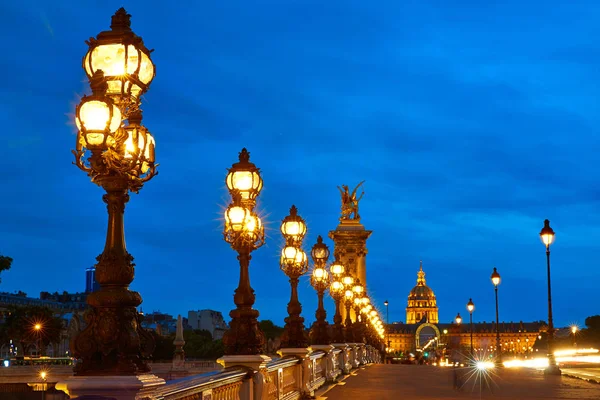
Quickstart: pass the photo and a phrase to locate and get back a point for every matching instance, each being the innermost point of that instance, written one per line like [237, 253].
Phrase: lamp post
[348, 282]
[120, 158]
[348, 299]
[574, 332]
[319, 280]
[471, 307]
[38, 331]
[244, 231]
[547, 236]
[496, 281]
[387, 322]
[336, 291]
[359, 291]
[44, 377]
[294, 264]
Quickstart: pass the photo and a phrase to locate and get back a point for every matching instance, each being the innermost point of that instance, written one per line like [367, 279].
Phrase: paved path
[414, 382]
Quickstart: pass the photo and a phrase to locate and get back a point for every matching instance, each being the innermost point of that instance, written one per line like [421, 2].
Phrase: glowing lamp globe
[358, 288]
[244, 177]
[236, 218]
[470, 306]
[547, 234]
[348, 295]
[495, 277]
[97, 119]
[337, 269]
[348, 281]
[122, 56]
[293, 227]
[140, 144]
[458, 319]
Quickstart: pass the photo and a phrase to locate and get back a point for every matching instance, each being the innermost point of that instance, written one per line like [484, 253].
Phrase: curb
[590, 380]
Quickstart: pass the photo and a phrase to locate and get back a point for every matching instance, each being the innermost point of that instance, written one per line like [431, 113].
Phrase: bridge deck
[412, 382]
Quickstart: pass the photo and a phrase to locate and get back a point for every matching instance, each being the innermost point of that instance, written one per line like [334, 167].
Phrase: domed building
[422, 332]
[422, 306]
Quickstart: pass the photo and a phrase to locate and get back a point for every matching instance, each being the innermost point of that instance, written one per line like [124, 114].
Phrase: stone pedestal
[255, 362]
[131, 387]
[303, 373]
[350, 238]
[345, 365]
[330, 373]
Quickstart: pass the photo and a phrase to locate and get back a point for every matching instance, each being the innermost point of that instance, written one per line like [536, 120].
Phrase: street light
[244, 231]
[294, 264]
[471, 307]
[120, 158]
[38, 330]
[348, 297]
[387, 321]
[574, 332]
[320, 280]
[359, 294]
[336, 291]
[496, 281]
[547, 236]
[43, 375]
[458, 319]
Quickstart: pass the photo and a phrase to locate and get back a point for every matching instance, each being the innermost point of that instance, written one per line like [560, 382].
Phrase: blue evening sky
[470, 121]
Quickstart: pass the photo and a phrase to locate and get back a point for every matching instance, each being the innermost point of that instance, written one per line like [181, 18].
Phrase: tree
[20, 325]
[164, 347]
[5, 263]
[270, 330]
[593, 323]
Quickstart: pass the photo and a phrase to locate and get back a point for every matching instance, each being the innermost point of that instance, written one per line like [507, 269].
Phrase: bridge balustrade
[287, 378]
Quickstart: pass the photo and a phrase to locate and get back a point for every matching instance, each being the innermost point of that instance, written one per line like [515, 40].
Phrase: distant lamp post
[387, 321]
[320, 281]
[44, 377]
[547, 236]
[244, 231]
[470, 308]
[574, 330]
[294, 264]
[120, 158]
[38, 332]
[458, 319]
[496, 281]
[336, 290]
[348, 300]
[359, 291]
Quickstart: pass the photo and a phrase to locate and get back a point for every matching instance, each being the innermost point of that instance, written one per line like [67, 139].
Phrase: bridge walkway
[421, 382]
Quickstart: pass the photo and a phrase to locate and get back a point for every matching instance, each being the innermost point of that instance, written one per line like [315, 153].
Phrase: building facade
[423, 330]
[208, 320]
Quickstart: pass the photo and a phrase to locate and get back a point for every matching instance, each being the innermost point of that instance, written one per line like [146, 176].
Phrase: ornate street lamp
[319, 280]
[496, 281]
[471, 307]
[294, 264]
[244, 231]
[359, 291]
[120, 158]
[348, 300]
[458, 319]
[547, 236]
[336, 291]
[387, 321]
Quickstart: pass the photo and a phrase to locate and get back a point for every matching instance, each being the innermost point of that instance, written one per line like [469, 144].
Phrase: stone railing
[287, 378]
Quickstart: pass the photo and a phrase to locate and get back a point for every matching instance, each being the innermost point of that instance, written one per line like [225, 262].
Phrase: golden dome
[421, 291]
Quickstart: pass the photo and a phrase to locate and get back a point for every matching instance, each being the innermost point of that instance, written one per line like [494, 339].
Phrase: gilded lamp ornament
[124, 59]
[319, 280]
[119, 157]
[294, 264]
[245, 233]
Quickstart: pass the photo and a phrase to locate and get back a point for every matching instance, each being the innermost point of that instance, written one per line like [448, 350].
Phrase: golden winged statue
[350, 202]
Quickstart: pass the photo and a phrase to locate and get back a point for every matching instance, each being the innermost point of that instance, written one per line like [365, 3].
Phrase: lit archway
[420, 328]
